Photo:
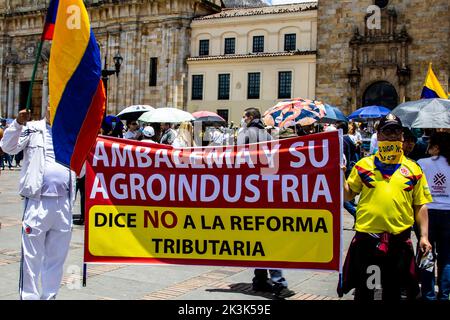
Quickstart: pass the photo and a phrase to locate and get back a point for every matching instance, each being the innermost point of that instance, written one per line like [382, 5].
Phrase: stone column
[16, 97]
[176, 69]
[44, 89]
[10, 76]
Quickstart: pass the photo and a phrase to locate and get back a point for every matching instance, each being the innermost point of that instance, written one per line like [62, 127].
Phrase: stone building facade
[138, 30]
[365, 58]
[252, 57]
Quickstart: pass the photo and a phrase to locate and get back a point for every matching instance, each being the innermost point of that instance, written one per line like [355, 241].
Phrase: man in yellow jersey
[393, 192]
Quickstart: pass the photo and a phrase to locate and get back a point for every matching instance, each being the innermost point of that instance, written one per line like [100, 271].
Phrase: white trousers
[46, 233]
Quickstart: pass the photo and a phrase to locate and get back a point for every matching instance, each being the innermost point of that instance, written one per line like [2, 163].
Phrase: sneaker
[282, 292]
[262, 286]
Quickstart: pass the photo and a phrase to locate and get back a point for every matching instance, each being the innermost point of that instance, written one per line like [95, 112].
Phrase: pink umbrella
[207, 116]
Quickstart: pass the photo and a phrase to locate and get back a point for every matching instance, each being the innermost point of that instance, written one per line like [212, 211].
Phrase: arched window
[382, 3]
[381, 93]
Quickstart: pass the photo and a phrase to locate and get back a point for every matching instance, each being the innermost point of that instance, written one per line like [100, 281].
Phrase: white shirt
[437, 171]
[56, 176]
[373, 143]
[133, 135]
[355, 137]
[179, 143]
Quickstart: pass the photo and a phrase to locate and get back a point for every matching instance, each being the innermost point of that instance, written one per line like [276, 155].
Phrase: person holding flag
[56, 147]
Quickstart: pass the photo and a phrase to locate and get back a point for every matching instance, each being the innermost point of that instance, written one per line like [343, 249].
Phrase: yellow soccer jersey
[386, 204]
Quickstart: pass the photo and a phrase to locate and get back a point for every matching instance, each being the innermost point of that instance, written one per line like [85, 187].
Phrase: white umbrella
[134, 112]
[169, 115]
[424, 113]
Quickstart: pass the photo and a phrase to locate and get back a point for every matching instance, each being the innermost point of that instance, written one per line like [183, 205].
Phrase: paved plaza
[145, 282]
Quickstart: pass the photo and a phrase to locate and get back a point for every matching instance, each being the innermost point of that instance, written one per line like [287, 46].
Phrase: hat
[390, 120]
[148, 131]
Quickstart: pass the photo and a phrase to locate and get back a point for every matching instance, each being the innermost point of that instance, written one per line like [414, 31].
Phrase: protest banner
[275, 204]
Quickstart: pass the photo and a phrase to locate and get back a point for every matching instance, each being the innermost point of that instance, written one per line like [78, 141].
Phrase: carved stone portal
[380, 55]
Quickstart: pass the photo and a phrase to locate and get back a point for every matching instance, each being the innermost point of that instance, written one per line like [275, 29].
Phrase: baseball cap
[148, 131]
[390, 120]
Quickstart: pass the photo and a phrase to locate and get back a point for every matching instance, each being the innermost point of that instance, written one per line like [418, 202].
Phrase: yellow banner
[289, 235]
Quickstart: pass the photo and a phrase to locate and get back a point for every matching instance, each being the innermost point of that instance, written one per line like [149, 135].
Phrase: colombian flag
[77, 95]
[432, 88]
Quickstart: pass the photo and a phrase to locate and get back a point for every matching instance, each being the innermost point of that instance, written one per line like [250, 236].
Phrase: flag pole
[33, 75]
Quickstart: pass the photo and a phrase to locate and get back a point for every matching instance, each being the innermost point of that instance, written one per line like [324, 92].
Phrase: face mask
[390, 152]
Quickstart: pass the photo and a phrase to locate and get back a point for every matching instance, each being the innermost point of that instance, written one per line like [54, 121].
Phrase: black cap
[390, 120]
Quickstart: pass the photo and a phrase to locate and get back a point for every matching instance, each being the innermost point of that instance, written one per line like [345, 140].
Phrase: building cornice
[253, 56]
[246, 12]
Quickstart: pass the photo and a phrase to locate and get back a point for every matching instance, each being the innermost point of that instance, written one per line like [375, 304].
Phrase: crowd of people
[394, 181]
[5, 158]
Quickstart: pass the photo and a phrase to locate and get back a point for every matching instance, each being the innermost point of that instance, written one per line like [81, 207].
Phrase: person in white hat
[148, 134]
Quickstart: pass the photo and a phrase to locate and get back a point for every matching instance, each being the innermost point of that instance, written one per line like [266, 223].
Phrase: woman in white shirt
[437, 172]
[133, 132]
[185, 137]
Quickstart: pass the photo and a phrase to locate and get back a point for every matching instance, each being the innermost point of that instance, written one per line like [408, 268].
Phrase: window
[153, 72]
[258, 44]
[203, 48]
[230, 45]
[223, 113]
[382, 3]
[284, 84]
[253, 85]
[290, 40]
[197, 87]
[224, 86]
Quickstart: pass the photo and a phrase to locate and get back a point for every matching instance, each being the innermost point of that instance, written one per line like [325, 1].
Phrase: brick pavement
[146, 282]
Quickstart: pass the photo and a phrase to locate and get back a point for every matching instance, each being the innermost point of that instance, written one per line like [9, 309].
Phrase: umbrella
[369, 112]
[333, 115]
[134, 112]
[294, 111]
[425, 113]
[166, 115]
[207, 116]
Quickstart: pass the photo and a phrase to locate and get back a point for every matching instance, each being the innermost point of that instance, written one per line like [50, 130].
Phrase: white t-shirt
[355, 137]
[133, 135]
[179, 143]
[373, 144]
[437, 171]
[56, 176]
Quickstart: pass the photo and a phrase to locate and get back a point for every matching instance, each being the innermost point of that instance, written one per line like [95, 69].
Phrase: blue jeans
[439, 236]
[350, 207]
[6, 158]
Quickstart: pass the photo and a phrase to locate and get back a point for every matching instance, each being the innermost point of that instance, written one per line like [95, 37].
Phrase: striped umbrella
[294, 111]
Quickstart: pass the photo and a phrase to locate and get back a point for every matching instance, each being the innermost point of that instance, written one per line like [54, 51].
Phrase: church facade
[367, 52]
[378, 51]
[152, 36]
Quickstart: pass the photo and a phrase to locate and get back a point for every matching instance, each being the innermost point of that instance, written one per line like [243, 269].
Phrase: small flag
[432, 88]
[50, 20]
[77, 95]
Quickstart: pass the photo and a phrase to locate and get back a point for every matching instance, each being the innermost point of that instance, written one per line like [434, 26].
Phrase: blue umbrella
[369, 112]
[333, 115]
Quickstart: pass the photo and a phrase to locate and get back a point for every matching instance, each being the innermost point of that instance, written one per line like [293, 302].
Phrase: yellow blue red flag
[432, 88]
[77, 95]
